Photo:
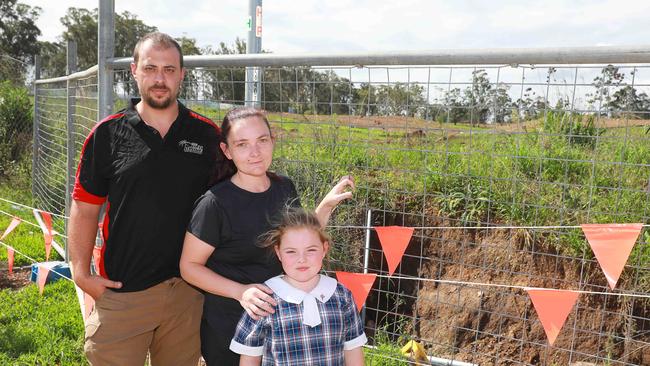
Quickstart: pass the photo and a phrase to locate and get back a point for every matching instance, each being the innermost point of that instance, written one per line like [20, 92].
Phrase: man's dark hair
[160, 40]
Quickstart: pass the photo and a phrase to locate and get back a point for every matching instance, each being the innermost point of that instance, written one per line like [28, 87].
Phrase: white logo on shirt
[191, 147]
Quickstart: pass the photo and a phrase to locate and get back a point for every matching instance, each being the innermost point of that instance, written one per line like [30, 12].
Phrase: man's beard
[157, 103]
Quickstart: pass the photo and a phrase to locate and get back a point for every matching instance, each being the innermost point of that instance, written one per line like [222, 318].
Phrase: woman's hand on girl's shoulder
[256, 299]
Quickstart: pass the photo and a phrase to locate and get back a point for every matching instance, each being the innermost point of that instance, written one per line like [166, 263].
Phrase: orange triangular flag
[612, 244]
[12, 225]
[47, 233]
[553, 307]
[97, 255]
[42, 278]
[89, 303]
[10, 259]
[394, 240]
[358, 283]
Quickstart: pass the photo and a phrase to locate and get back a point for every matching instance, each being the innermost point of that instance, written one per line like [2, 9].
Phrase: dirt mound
[498, 326]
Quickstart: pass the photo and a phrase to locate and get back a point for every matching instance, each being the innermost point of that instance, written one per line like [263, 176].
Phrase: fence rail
[466, 138]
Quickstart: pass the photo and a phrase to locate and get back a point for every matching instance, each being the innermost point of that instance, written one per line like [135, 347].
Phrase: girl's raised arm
[337, 194]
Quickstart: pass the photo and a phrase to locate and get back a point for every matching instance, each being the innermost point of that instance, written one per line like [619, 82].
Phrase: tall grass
[566, 171]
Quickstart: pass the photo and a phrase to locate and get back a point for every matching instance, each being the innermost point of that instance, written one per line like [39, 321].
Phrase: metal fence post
[366, 256]
[71, 67]
[35, 144]
[105, 51]
[253, 83]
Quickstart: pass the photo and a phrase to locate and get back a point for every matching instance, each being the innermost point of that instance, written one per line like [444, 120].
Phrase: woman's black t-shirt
[231, 219]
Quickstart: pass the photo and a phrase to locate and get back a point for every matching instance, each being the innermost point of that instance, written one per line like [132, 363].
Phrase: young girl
[316, 320]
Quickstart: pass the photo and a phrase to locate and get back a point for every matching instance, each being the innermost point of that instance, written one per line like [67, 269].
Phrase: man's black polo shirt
[151, 184]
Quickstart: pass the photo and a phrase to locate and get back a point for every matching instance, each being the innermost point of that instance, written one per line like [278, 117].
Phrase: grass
[386, 352]
[35, 329]
[41, 330]
[26, 238]
[482, 175]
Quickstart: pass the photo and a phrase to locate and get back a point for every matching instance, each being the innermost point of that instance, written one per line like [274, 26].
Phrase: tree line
[300, 89]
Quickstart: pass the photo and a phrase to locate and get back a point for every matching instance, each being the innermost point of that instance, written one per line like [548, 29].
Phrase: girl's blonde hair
[293, 218]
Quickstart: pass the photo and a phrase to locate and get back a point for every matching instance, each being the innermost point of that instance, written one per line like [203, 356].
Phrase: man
[149, 163]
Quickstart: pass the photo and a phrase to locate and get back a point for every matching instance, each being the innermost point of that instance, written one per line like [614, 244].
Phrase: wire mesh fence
[468, 148]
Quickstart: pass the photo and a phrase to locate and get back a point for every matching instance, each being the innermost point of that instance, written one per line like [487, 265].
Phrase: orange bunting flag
[12, 225]
[358, 283]
[47, 231]
[394, 240]
[97, 257]
[42, 278]
[89, 303]
[612, 244]
[553, 307]
[10, 259]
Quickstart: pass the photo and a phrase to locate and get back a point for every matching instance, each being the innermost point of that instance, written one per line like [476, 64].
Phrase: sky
[326, 26]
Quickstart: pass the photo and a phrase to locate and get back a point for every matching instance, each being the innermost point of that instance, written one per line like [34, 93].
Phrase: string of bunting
[54, 232]
[48, 232]
[29, 208]
[43, 272]
[611, 244]
[44, 219]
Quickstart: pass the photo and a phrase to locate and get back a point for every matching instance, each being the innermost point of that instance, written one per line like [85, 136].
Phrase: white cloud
[375, 25]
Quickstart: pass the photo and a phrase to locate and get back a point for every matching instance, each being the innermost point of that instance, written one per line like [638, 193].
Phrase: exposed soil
[19, 278]
[499, 326]
[409, 124]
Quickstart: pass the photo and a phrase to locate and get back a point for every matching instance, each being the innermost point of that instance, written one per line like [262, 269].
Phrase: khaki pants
[163, 320]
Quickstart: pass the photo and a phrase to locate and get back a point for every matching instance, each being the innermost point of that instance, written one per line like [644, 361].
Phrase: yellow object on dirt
[415, 351]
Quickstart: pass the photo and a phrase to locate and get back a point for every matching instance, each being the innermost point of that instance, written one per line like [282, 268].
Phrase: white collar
[310, 314]
[323, 290]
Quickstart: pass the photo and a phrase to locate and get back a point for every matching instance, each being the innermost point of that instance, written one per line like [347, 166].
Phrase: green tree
[363, 100]
[329, 93]
[477, 96]
[81, 26]
[627, 102]
[610, 78]
[15, 126]
[307, 91]
[455, 106]
[18, 39]
[53, 59]
[401, 99]
[193, 78]
[221, 83]
[500, 103]
[529, 106]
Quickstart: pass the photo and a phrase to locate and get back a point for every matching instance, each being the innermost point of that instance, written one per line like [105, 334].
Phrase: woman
[220, 254]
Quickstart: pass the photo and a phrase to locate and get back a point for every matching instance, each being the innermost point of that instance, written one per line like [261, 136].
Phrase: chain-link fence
[467, 148]
[65, 112]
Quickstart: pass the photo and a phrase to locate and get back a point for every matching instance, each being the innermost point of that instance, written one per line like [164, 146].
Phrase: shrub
[15, 127]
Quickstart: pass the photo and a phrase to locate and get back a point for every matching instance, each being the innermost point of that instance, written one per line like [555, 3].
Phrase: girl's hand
[256, 300]
[339, 192]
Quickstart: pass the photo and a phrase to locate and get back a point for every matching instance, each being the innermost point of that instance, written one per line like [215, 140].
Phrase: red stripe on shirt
[102, 270]
[79, 193]
[206, 120]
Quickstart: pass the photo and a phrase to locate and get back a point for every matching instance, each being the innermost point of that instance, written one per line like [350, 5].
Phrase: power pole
[254, 45]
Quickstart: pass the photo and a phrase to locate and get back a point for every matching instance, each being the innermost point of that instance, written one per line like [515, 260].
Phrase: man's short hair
[160, 40]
